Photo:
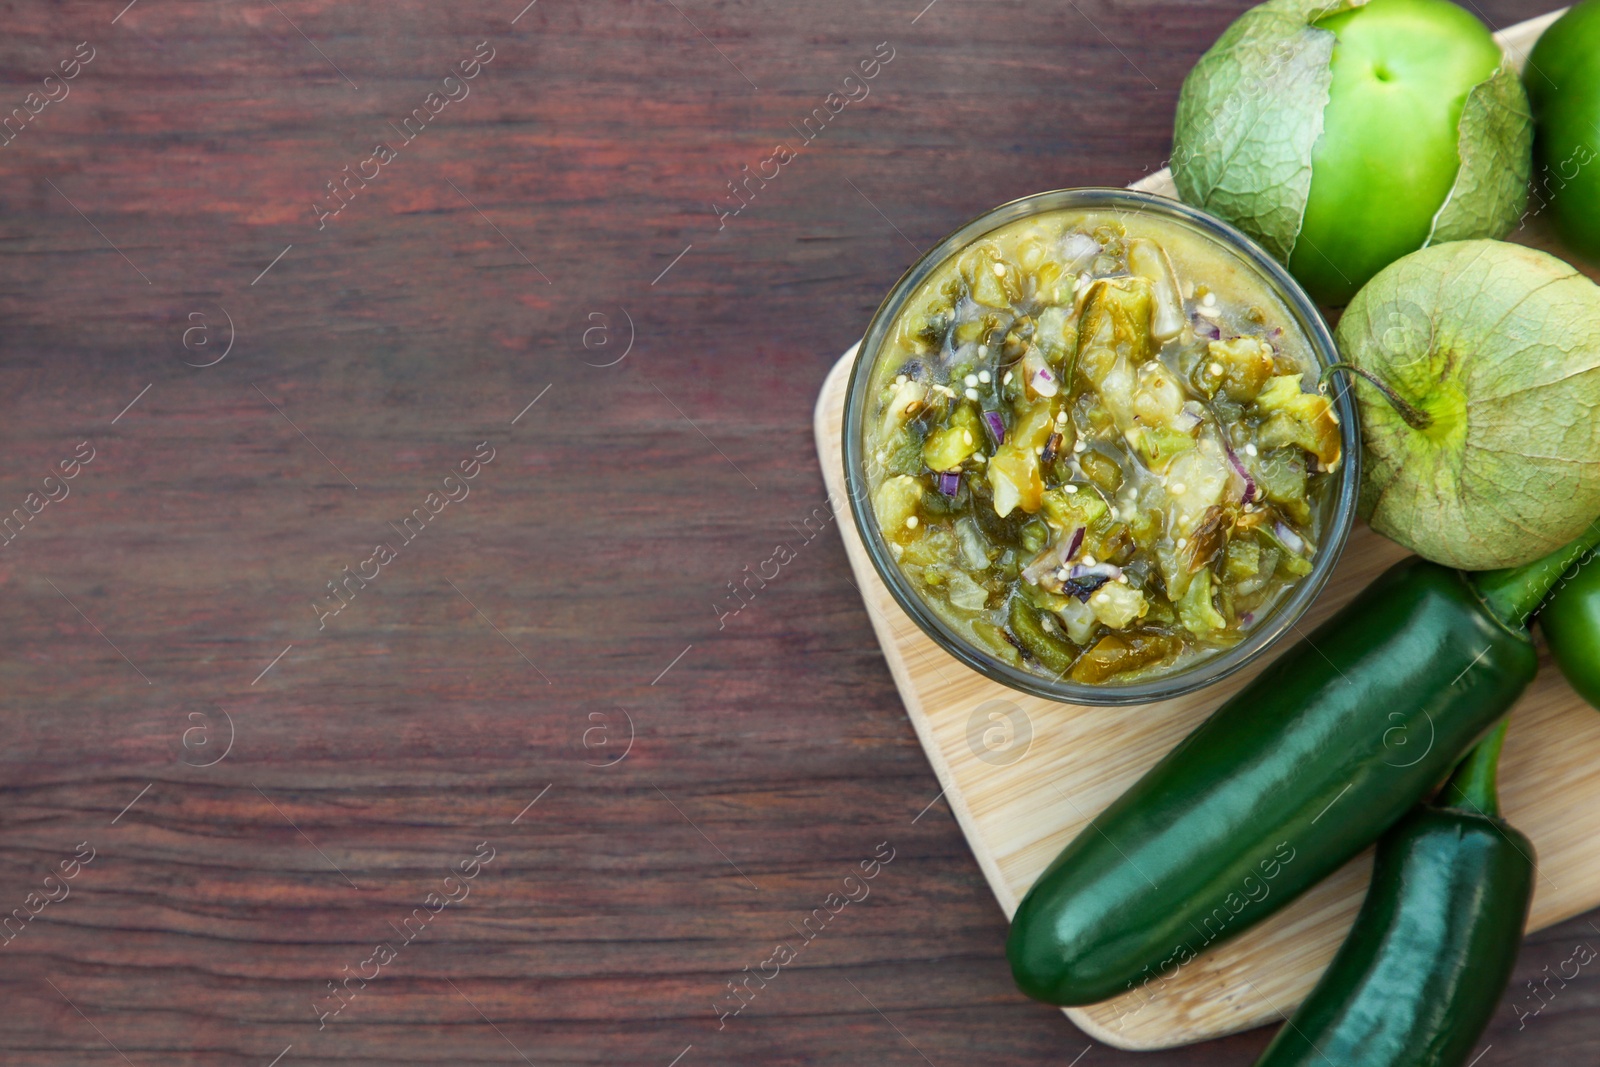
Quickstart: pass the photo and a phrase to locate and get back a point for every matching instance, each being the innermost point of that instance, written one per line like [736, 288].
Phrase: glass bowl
[1338, 504]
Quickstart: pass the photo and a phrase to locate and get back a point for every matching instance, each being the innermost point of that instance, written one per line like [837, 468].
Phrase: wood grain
[597, 542]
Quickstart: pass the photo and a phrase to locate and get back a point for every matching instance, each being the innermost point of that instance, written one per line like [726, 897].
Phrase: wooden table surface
[544, 667]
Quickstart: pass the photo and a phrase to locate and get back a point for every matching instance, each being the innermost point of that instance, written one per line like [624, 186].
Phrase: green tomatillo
[1477, 370]
[1571, 625]
[1343, 136]
[1563, 81]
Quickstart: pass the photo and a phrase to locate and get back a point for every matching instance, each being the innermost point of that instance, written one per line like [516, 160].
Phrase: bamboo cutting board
[1024, 775]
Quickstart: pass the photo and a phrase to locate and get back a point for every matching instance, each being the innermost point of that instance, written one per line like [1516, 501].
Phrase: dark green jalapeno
[1571, 625]
[1432, 949]
[1319, 755]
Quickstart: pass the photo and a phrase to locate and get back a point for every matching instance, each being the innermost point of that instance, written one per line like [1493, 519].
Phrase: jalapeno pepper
[1571, 625]
[1302, 769]
[1433, 946]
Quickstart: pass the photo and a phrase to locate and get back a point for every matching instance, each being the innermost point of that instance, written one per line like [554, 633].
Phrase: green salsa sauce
[1094, 446]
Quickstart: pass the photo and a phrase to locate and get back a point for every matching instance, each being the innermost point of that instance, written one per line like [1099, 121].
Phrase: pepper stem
[1515, 594]
[1414, 416]
[1475, 784]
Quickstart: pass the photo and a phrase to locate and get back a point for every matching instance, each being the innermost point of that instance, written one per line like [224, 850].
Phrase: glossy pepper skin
[1415, 983]
[1563, 83]
[1309, 764]
[1571, 625]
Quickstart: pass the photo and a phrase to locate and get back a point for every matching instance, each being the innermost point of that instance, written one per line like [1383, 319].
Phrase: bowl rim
[1268, 632]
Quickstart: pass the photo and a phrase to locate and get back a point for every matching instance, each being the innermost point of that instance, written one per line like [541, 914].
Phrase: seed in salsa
[1092, 449]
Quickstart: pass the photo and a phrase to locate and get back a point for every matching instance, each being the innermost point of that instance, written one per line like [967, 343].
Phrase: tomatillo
[1343, 136]
[1563, 82]
[1571, 625]
[1387, 155]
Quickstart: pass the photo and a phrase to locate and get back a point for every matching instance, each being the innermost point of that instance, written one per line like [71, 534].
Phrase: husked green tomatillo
[1478, 376]
[1343, 136]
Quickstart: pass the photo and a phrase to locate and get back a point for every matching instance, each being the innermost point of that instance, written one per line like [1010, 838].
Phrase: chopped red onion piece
[1204, 327]
[1291, 540]
[1250, 489]
[1053, 558]
[997, 426]
[950, 482]
[1075, 542]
